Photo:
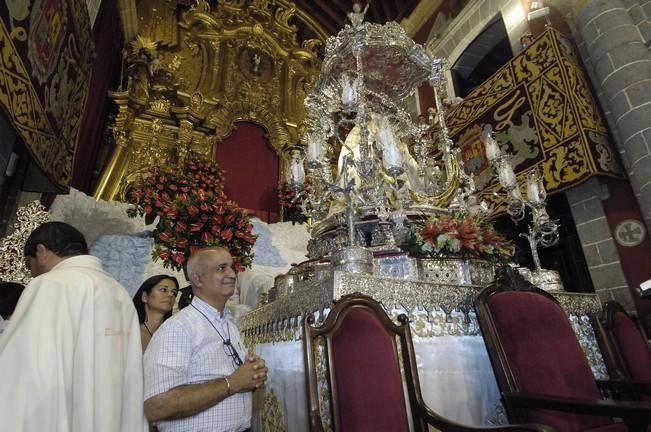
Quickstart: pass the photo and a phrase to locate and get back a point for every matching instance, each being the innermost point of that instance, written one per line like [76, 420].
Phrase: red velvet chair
[625, 350]
[539, 365]
[364, 351]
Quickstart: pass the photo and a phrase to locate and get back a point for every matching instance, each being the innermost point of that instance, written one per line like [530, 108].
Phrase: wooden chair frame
[636, 414]
[421, 415]
[602, 323]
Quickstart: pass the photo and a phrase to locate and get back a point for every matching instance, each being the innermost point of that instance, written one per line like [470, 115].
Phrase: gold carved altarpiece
[189, 80]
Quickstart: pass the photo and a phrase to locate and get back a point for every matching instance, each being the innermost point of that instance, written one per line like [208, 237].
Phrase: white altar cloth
[458, 382]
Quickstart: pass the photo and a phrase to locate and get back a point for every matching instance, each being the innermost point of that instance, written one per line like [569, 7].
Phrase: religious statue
[383, 141]
[255, 59]
[139, 82]
[356, 17]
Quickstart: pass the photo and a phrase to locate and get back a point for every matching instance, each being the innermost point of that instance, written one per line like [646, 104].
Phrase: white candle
[313, 148]
[347, 91]
[297, 172]
[506, 175]
[391, 154]
[492, 148]
[533, 191]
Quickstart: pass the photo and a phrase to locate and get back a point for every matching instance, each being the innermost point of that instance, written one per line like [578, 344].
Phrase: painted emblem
[47, 32]
[630, 232]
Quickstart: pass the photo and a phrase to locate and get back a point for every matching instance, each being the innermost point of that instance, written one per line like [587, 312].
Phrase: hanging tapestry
[47, 53]
[541, 110]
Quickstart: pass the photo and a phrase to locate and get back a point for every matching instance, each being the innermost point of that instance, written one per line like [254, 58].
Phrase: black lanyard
[229, 348]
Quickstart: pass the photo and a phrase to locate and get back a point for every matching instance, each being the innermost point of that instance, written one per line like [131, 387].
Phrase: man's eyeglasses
[230, 351]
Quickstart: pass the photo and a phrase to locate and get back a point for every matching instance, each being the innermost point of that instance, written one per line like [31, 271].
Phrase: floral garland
[459, 235]
[194, 212]
[292, 209]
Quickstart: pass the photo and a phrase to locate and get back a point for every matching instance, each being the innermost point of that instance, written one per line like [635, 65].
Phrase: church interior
[423, 154]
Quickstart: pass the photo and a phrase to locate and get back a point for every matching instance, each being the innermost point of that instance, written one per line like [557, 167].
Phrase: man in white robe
[70, 358]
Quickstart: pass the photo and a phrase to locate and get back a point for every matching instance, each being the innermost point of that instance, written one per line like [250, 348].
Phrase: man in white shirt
[198, 376]
[70, 358]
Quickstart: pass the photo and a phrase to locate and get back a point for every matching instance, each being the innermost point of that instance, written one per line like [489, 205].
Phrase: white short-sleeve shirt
[187, 349]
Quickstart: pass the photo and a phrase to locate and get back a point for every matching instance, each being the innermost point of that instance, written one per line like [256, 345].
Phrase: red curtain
[251, 170]
[108, 42]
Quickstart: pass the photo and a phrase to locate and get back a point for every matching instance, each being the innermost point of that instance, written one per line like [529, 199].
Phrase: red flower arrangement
[459, 235]
[292, 208]
[193, 212]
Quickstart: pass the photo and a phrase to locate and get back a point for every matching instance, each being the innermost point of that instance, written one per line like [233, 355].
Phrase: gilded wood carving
[232, 62]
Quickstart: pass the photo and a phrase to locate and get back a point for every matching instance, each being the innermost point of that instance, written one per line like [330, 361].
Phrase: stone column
[598, 244]
[612, 36]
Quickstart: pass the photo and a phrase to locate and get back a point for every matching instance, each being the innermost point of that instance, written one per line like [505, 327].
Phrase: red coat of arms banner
[540, 110]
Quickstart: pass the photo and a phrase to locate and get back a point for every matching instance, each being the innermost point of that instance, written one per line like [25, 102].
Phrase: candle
[347, 91]
[533, 190]
[297, 172]
[391, 154]
[313, 148]
[506, 175]
[492, 148]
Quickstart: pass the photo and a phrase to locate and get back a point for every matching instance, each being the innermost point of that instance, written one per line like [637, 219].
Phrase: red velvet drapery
[251, 170]
[108, 42]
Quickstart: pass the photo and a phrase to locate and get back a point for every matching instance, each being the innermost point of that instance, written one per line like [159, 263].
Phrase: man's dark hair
[9, 294]
[59, 237]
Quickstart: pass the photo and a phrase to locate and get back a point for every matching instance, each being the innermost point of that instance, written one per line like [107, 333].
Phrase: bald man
[198, 376]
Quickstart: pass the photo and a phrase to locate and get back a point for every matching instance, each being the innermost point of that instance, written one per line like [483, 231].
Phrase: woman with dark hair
[154, 301]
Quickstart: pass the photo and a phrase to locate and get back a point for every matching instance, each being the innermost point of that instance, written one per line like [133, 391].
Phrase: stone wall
[598, 244]
[613, 36]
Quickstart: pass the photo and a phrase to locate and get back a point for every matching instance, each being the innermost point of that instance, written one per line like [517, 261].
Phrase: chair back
[625, 350]
[533, 349]
[363, 367]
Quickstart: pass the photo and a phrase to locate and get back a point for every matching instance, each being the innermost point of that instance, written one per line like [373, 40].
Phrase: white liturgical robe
[71, 358]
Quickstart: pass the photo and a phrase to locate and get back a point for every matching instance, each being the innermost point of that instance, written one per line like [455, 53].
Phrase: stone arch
[471, 23]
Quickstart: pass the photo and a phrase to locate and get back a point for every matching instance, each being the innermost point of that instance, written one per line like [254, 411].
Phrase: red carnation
[196, 227]
[430, 232]
[202, 194]
[227, 234]
[194, 194]
[165, 236]
[171, 213]
[178, 258]
[192, 210]
[207, 237]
